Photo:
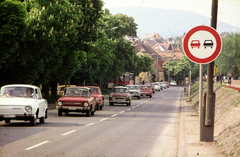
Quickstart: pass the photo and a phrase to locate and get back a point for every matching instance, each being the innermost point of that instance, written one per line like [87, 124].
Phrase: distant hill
[167, 22]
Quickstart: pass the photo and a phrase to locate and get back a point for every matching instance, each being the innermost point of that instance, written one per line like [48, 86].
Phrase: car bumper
[25, 116]
[119, 101]
[73, 108]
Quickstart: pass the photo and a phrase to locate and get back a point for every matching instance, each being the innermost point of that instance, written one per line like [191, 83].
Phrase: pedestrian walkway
[189, 140]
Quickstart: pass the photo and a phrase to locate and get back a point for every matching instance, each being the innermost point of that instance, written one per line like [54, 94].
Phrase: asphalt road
[149, 127]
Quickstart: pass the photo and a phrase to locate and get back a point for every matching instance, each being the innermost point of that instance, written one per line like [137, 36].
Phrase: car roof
[20, 85]
[120, 87]
[79, 87]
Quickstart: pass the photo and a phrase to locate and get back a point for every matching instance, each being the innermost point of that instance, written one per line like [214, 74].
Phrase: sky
[228, 10]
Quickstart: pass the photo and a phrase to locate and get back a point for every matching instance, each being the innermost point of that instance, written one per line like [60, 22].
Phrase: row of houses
[160, 50]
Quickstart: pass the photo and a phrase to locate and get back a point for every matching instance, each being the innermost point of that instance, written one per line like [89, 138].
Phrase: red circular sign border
[210, 58]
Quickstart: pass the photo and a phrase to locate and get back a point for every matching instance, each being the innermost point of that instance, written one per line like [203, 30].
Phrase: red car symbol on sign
[195, 43]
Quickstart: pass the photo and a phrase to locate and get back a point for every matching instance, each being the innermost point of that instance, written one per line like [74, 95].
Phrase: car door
[40, 102]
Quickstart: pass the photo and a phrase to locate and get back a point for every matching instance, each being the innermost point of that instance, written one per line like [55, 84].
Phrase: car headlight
[127, 97]
[85, 104]
[59, 103]
[28, 109]
[110, 96]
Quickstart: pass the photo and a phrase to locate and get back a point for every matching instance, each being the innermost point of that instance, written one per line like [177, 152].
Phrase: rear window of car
[119, 90]
[133, 87]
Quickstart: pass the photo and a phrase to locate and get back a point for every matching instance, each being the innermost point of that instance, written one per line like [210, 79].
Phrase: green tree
[12, 26]
[229, 58]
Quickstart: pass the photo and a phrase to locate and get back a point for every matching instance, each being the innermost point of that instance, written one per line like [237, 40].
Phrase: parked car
[157, 86]
[76, 99]
[61, 88]
[152, 87]
[173, 83]
[99, 98]
[167, 84]
[146, 90]
[163, 84]
[22, 102]
[120, 95]
[134, 90]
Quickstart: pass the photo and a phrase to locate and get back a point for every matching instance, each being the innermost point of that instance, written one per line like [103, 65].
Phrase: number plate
[9, 116]
[72, 108]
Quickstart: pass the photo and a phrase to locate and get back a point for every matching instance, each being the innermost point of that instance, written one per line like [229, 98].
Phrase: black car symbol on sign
[208, 43]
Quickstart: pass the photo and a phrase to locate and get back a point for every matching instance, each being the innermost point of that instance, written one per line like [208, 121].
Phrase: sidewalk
[189, 140]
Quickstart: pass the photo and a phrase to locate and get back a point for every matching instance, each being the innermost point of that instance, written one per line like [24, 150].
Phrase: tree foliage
[229, 58]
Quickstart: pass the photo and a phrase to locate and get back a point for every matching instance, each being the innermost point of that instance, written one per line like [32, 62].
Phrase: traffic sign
[202, 44]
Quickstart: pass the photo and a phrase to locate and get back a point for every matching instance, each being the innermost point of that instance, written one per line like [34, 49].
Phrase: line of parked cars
[125, 94]
[25, 102]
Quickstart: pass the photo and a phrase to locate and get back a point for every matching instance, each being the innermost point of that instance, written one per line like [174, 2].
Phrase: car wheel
[111, 104]
[139, 97]
[92, 112]
[33, 120]
[98, 107]
[129, 104]
[42, 119]
[59, 112]
[7, 120]
[101, 107]
[66, 113]
[150, 96]
[88, 113]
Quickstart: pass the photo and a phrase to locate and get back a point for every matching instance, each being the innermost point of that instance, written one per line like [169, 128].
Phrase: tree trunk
[45, 90]
[54, 89]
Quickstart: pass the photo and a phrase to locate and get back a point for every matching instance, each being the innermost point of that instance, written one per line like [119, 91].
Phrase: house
[153, 36]
[158, 75]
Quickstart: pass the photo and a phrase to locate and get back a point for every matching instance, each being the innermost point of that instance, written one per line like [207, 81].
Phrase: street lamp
[100, 29]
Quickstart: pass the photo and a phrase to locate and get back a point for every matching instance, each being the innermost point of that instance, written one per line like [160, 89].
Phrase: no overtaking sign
[202, 44]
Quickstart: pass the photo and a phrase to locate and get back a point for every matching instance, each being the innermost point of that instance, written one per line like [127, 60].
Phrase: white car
[163, 84]
[173, 83]
[22, 102]
[134, 90]
[157, 86]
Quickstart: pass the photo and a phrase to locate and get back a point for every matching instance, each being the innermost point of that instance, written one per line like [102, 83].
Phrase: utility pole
[210, 96]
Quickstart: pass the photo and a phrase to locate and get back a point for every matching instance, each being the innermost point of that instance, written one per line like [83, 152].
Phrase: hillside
[227, 118]
[167, 22]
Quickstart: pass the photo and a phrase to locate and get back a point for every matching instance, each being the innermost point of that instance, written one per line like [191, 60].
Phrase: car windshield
[155, 84]
[17, 91]
[77, 92]
[94, 90]
[133, 87]
[145, 87]
[119, 90]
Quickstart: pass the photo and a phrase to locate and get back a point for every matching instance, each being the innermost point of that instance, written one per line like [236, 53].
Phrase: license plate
[9, 116]
[72, 108]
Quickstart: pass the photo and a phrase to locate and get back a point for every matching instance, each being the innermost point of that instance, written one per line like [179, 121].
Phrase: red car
[99, 98]
[195, 43]
[146, 90]
[76, 99]
[152, 86]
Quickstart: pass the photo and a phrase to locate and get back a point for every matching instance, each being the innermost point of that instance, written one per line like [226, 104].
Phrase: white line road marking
[133, 107]
[89, 124]
[37, 145]
[128, 109]
[103, 119]
[141, 104]
[137, 105]
[69, 132]
[114, 115]
[122, 111]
